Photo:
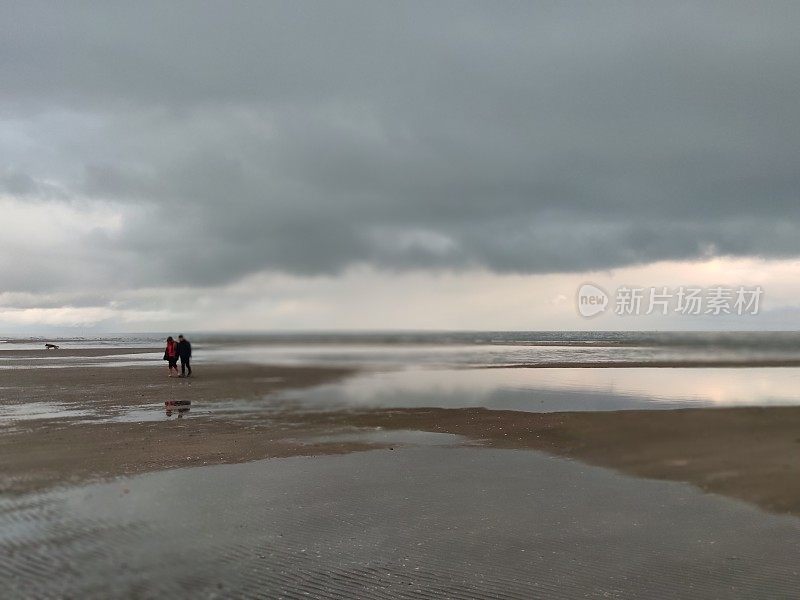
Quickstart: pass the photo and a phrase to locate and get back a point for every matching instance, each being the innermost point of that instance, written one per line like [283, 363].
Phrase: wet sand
[38, 453]
[745, 453]
[379, 502]
[751, 454]
[50, 358]
[424, 522]
[118, 386]
[75, 352]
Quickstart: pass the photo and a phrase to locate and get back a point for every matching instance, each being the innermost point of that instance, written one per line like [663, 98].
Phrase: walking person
[171, 355]
[185, 354]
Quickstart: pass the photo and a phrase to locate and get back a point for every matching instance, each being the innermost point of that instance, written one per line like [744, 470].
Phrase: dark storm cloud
[308, 137]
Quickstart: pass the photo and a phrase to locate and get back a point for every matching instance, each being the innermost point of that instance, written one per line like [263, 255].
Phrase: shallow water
[552, 390]
[10, 413]
[397, 437]
[409, 523]
[530, 390]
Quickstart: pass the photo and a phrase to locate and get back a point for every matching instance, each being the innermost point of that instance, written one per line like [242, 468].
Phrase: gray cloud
[309, 137]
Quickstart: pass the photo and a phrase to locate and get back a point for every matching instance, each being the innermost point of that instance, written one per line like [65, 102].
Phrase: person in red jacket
[171, 355]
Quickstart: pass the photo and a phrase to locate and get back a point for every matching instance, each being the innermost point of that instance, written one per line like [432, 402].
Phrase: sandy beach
[325, 481]
[744, 453]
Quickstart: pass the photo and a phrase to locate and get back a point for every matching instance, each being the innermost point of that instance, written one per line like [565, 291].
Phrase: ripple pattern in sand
[412, 523]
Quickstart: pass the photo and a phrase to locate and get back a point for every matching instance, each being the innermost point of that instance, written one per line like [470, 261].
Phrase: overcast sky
[317, 165]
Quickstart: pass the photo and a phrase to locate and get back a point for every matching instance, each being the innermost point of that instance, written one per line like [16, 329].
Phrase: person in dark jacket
[171, 355]
[185, 353]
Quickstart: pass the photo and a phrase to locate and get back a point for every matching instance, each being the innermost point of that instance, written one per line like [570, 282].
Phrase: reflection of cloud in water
[560, 389]
[397, 437]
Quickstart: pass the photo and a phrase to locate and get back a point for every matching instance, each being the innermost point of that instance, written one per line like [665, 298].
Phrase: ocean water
[485, 348]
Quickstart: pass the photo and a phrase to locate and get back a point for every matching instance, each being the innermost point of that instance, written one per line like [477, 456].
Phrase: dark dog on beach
[50, 347]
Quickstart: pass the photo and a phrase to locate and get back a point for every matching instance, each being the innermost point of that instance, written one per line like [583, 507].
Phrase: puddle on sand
[148, 412]
[10, 413]
[415, 522]
[553, 389]
[398, 437]
[31, 411]
[156, 412]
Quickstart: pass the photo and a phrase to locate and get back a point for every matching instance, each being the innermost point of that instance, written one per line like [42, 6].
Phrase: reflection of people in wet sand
[171, 355]
[179, 406]
[185, 353]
